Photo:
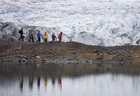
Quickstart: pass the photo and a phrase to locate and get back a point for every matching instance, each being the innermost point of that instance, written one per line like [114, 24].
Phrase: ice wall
[94, 22]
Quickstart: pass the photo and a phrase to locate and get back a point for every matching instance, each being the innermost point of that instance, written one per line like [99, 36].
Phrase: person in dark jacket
[21, 35]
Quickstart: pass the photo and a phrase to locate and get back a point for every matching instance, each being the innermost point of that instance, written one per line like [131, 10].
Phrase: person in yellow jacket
[46, 36]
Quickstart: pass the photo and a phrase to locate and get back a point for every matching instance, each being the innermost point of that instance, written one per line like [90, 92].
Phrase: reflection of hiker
[45, 82]
[53, 37]
[21, 34]
[21, 83]
[38, 82]
[53, 81]
[60, 36]
[38, 36]
[31, 36]
[45, 36]
[60, 82]
[31, 82]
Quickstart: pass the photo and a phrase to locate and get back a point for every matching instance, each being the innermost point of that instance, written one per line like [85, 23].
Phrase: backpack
[20, 32]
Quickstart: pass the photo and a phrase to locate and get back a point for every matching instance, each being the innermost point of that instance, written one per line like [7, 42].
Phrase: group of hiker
[45, 36]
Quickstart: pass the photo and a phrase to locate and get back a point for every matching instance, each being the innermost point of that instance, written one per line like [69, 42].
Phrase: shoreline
[64, 70]
[67, 52]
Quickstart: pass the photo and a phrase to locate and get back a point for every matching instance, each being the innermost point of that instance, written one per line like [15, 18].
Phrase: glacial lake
[51, 80]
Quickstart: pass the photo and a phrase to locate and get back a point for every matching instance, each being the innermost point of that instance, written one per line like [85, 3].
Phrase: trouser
[45, 39]
[31, 38]
[53, 39]
[60, 40]
[21, 37]
[38, 40]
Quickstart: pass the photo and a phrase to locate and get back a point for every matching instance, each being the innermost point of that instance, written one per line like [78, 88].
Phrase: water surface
[65, 83]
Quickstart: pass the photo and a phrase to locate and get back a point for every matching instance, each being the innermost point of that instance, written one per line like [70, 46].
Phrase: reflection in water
[30, 82]
[69, 80]
[90, 85]
[38, 82]
[21, 83]
[60, 82]
[45, 82]
[53, 81]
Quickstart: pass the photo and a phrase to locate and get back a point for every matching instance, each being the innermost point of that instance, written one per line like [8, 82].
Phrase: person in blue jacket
[38, 36]
[53, 37]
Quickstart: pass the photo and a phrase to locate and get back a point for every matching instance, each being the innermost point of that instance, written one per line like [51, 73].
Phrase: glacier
[92, 22]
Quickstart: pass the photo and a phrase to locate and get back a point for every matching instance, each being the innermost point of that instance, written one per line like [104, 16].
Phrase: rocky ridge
[62, 52]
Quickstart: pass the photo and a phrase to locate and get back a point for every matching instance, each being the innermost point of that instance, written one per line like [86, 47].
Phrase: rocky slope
[62, 52]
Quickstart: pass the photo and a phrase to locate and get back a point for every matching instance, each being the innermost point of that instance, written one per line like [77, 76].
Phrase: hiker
[21, 35]
[38, 36]
[53, 37]
[31, 36]
[46, 37]
[60, 37]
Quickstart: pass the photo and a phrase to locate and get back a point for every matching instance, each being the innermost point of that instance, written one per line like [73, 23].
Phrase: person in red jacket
[60, 37]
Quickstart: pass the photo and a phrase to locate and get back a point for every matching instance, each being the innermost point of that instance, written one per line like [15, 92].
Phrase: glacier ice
[93, 22]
